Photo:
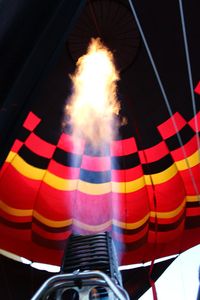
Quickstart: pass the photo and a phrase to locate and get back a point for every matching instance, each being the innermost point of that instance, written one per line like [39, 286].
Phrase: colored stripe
[169, 214]
[71, 144]
[192, 161]
[186, 134]
[10, 156]
[98, 164]
[94, 189]
[16, 225]
[53, 235]
[95, 177]
[48, 228]
[195, 198]
[27, 170]
[60, 183]
[125, 162]
[67, 158]
[127, 175]
[123, 147]
[39, 146]
[92, 228]
[128, 187]
[119, 187]
[133, 225]
[51, 223]
[154, 153]
[166, 227]
[192, 222]
[15, 211]
[48, 243]
[63, 171]
[158, 166]
[162, 176]
[32, 158]
[167, 128]
[189, 148]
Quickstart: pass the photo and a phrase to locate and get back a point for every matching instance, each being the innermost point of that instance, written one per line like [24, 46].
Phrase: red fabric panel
[92, 209]
[130, 207]
[16, 220]
[31, 121]
[39, 146]
[67, 143]
[123, 147]
[197, 88]
[16, 146]
[167, 128]
[54, 204]
[129, 238]
[98, 164]
[166, 237]
[50, 235]
[195, 122]
[24, 190]
[63, 171]
[126, 175]
[189, 148]
[172, 190]
[154, 153]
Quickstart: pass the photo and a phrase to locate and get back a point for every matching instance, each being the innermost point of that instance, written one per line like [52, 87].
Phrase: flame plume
[93, 105]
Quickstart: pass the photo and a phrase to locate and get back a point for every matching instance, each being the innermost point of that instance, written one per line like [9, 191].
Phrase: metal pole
[118, 291]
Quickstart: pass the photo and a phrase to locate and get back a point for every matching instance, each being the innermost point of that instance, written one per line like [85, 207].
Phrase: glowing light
[93, 105]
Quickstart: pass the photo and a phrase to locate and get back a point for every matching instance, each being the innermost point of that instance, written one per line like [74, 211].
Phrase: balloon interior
[103, 152]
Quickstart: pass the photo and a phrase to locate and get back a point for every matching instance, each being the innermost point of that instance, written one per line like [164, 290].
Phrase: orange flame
[93, 104]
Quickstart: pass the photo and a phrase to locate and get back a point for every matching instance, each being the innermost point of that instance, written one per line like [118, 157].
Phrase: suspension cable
[164, 95]
[189, 71]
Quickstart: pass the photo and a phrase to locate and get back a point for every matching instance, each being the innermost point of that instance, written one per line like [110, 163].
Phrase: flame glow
[93, 105]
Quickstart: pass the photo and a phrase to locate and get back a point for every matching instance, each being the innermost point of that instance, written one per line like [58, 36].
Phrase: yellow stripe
[15, 211]
[169, 214]
[161, 177]
[27, 170]
[131, 225]
[92, 228]
[29, 212]
[52, 223]
[129, 186]
[195, 198]
[191, 160]
[94, 189]
[60, 183]
[10, 156]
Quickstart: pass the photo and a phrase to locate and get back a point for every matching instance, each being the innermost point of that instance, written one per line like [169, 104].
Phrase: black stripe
[95, 177]
[125, 162]
[102, 150]
[193, 204]
[50, 229]
[52, 244]
[166, 227]
[67, 158]
[131, 246]
[16, 225]
[192, 222]
[33, 159]
[23, 134]
[158, 166]
[129, 231]
[186, 134]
